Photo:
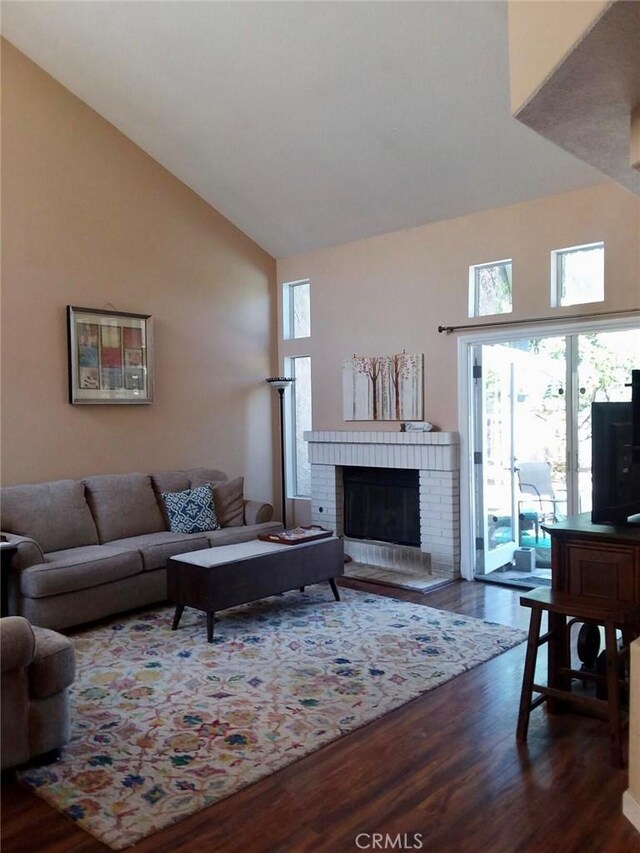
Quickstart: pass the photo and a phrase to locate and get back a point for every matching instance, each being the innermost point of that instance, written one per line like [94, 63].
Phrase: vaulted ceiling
[308, 124]
[590, 102]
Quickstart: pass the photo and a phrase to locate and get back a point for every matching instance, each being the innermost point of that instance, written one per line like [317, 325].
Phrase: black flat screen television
[615, 472]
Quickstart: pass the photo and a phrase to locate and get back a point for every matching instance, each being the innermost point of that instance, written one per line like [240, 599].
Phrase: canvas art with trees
[383, 388]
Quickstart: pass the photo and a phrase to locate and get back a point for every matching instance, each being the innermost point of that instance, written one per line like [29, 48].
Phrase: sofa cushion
[157, 548]
[54, 664]
[79, 568]
[123, 505]
[170, 481]
[55, 514]
[201, 476]
[229, 503]
[191, 511]
[231, 535]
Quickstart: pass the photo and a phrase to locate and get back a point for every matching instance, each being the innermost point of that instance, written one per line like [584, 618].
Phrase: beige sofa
[99, 546]
[38, 665]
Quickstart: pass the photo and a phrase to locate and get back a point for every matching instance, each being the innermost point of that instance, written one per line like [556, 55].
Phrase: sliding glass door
[497, 496]
[531, 440]
[520, 463]
[604, 364]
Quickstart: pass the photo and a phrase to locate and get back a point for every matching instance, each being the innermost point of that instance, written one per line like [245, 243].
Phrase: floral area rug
[165, 724]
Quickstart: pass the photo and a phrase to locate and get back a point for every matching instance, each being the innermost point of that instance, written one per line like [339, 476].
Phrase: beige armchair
[37, 666]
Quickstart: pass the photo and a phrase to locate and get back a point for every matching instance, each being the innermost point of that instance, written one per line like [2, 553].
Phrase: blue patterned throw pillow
[191, 511]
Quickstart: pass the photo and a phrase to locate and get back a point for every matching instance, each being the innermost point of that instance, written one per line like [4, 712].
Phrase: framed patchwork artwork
[110, 356]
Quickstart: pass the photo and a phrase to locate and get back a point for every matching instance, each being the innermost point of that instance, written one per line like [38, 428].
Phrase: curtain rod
[565, 317]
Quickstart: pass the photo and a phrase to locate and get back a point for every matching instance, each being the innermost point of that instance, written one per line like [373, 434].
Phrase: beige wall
[388, 293]
[89, 219]
[541, 33]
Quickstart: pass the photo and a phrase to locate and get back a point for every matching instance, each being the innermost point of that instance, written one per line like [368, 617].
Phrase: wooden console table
[595, 559]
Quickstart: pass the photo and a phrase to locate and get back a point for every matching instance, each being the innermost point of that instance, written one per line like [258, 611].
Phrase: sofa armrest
[29, 552]
[54, 667]
[17, 643]
[256, 512]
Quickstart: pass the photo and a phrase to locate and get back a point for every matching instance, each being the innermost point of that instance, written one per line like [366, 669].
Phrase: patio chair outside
[534, 478]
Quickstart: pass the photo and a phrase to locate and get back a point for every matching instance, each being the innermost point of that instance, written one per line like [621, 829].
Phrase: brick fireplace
[436, 458]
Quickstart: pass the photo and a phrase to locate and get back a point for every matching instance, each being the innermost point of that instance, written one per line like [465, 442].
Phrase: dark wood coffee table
[216, 578]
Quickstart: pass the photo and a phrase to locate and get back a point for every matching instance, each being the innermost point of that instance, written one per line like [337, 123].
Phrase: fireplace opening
[382, 504]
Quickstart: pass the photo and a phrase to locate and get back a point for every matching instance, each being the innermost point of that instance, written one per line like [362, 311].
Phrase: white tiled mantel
[435, 455]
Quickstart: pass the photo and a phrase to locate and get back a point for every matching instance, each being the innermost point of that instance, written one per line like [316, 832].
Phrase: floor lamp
[280, 383]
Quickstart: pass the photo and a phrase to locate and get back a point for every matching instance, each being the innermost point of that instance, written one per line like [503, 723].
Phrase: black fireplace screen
[382, 504]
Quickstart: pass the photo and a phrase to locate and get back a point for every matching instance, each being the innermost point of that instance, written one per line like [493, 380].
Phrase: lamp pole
[280, 383]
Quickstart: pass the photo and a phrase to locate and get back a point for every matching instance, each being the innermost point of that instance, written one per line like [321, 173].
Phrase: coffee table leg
[334, 589]
[176, 616]
[210, 620]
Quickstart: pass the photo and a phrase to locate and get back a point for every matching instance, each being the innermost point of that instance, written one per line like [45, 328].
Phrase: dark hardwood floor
[445, 765]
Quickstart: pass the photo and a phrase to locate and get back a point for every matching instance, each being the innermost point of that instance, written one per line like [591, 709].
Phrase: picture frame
[383, 387]
[110, 356]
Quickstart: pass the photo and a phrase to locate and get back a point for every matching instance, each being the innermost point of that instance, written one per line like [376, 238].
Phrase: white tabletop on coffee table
[222, 554]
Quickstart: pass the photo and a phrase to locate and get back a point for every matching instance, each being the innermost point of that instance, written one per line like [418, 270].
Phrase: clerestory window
[490, 288]
[577, 275]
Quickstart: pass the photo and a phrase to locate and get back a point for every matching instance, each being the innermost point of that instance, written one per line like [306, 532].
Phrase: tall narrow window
[296, 302]
[577, 275]
[300, 422]
[490, 288]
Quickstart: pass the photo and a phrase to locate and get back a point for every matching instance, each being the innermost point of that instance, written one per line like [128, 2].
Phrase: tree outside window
[490, 288]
